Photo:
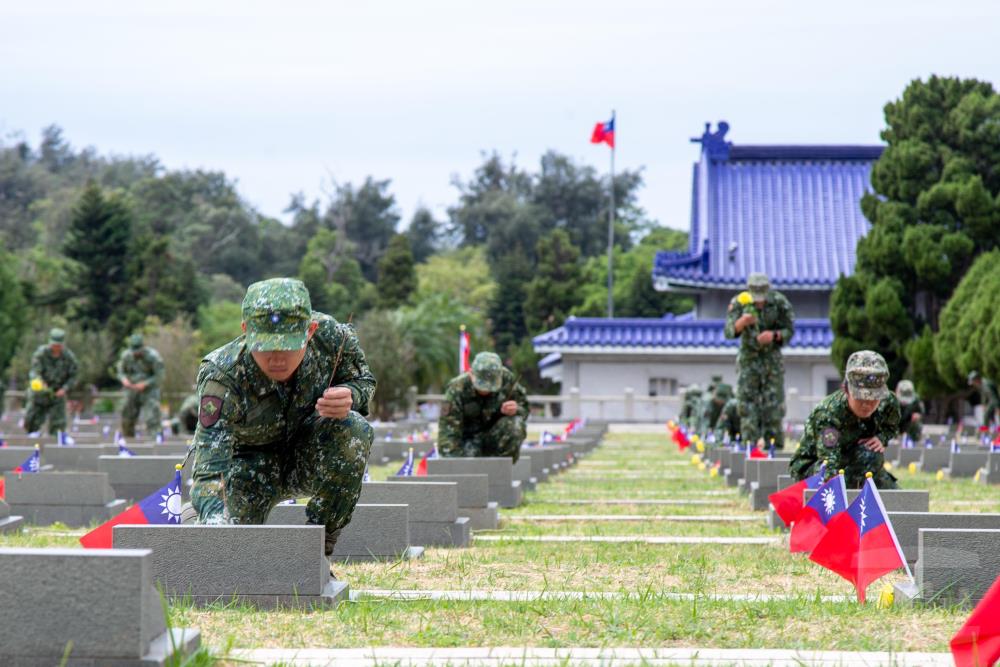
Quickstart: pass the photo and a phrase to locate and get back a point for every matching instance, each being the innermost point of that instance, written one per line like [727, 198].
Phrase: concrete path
[588, 657]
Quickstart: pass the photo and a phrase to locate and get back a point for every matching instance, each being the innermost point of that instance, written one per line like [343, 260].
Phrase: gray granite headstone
[11, 457]
[8, 522]
[908, 456]
[895, 500]
[473, 497]
[267, 566]
[111, 615]
[504, 489]
[956, 564]
[990, 472]
[907, 526]
[434, 518]
[539, 466]
[766, 473]
[522, 473]
[135, 477]
[934, 459]
[73, 498]
[966, 464]
[78, 458]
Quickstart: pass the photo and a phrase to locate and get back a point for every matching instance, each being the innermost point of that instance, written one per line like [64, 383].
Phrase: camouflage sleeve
[990, 395]
[155, 379]
[35, 371]
[821, 441]
[786, 321]
[450, 423]
[353, 371]
[519, 395]
[888, 419]
[120, 366]
[213, 444]
[74, 368]
[733, 313]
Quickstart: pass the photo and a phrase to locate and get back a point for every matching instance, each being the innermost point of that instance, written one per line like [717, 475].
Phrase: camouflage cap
[57, 336]
[487, 372]
[905, 392]
[973, 376]
[758, 285]
[716, 379]
[723, 391]
[135, 341]
[866, 375]
[277, 313]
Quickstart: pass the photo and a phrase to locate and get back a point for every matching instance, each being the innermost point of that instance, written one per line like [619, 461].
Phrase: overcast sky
[289, 96]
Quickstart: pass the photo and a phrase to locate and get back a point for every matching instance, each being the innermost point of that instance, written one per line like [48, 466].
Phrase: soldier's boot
[329, 543]
[128, 429]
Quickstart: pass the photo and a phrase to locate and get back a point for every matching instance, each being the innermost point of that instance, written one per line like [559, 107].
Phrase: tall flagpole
[611, 226]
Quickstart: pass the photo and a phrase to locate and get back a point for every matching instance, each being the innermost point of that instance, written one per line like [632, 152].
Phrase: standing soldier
[911, 411]
[52, 375]
[484, 412]
[851, 427]
[729, 420]
[140, 370]
[281, 415]
[762, 319]
[988, 396]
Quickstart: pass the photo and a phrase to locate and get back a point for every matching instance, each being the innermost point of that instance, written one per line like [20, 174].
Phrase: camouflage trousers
[503, 439]
[762, 400]
[325, 459]
[914, 429]
[44, 405]
[136, 402]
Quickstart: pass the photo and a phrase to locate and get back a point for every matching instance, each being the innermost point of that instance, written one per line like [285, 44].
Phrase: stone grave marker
[907, 526]
[990, 472]
[967, 463]
[522, 473]
[8, 521]
[375, 532]
[434, 519]
[504, 489]
[266, 566]
[73, 498]
[934, 459]
[473, 497]
[135, 477]
[112, 616]
[955, 565]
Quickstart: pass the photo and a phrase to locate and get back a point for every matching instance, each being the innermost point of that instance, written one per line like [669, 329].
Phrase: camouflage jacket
[729, 420]
[240, 407]
[832, 433]
[147, 367]
[465, 413]
[988, 394]
[56, 372]
[907, 410]
[777, 315]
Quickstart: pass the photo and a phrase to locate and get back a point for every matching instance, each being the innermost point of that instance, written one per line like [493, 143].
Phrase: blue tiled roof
[549, 360]
[790, 211]
[667, 332]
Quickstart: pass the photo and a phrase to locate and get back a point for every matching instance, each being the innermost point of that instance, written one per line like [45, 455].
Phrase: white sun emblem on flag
[863, 515]
[172, 504]
[829, 501]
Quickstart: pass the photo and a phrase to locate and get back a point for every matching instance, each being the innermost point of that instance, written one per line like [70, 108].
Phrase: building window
[662, 386]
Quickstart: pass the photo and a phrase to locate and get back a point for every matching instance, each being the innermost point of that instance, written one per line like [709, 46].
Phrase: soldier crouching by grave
[911, 411]
[729, 420]
[51, 376]
[851, 427]
[484, 412]
[988, 396]
[140, 370]
[186, 419]
[281, 415]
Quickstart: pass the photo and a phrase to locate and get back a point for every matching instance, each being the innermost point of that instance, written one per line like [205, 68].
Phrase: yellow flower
[37, 385]
[695, 459]
[887, 465]
[912, 468]
[940, 475]
[885, 597]
[744, 298]
[713, 472]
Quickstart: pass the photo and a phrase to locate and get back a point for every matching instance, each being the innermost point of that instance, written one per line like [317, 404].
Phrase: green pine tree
[397, 278]
[555, 289]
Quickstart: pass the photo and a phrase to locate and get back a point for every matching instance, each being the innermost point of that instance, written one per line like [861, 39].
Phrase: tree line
[107, 245]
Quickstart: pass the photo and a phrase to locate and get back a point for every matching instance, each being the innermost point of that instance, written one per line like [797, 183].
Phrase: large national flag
[810, 525]
[422, 466]
[977, 642]
[407, 469]
[788, 502]
[860, 544]
[604, 133]
[463, 351]
[162, 507]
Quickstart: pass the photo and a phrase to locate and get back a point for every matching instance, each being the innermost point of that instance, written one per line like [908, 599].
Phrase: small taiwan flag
[756, 452]
[422, 466]
[407, 469]
[787, 503]
[368, 475]
[810, 525]
[977, 642]
[860, 544]
[64, 440]
[124, 451]
[31, 464]
[604, 133]
[464, 348]
[161, 507]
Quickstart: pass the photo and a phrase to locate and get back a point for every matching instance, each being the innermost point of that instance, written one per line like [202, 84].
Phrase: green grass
[649, 617]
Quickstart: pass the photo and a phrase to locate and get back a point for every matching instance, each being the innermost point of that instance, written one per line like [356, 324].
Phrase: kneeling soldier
[280, 415]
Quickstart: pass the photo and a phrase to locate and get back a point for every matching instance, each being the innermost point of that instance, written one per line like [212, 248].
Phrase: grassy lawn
[648, 576]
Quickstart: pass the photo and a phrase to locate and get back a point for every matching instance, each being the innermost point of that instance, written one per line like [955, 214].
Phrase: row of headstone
[953, 564]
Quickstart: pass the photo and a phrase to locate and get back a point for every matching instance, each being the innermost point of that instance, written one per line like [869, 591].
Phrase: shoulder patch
[209, 410]
[830, 437]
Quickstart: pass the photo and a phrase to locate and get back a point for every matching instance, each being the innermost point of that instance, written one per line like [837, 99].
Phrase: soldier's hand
[509, 408]
[139, 386]
[915, 417]
[335, 403]
[127, 383]
[765, 337]
[744, 321]
[60, 393]
[872, 445]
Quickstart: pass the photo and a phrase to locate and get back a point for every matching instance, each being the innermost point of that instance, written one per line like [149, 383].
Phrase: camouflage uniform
[47, 375]
[141, 364]
[471, 423]
[761, 372]
[729, 420]
[691, 408]
[259, 441]
[711, 409]
[186, 419]
[833, 431]
[909, 405]
[988, 396]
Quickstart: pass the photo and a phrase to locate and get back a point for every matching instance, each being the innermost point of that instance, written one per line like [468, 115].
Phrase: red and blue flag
[860, 544]
[977, 642]
[604, 133]
[810, 525]
[407, 469]
[31, 464]
[788, 502]
[160, 507]
[422, 466]
[124, 451]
